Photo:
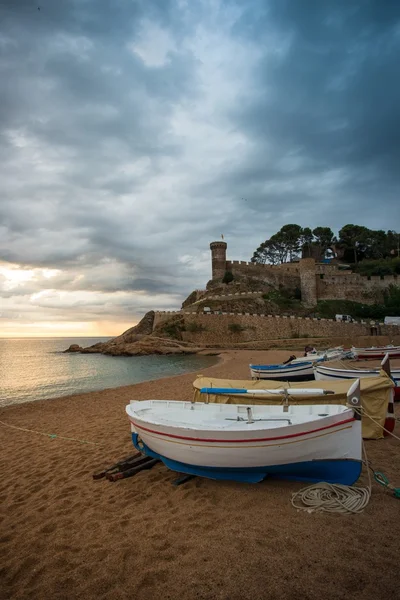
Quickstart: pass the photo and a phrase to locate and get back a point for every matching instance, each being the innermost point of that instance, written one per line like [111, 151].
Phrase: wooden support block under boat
[122, 465]
[146, 464]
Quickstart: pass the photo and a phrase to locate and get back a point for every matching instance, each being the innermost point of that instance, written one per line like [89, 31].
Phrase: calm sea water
[36, 368]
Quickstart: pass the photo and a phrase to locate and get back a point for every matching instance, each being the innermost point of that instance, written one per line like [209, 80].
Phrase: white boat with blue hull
[300, 371]
[251, 442]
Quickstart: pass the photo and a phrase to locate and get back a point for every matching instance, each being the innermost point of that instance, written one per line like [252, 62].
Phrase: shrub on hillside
[228, 277]
[235, 328]
[173, 329]
[382, 267]
[391, 308]
[195, 327]
[283, 298]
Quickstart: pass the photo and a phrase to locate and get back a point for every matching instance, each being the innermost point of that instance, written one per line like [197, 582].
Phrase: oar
[277, 392]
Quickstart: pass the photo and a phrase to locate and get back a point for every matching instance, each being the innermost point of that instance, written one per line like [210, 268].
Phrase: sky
[135, 132]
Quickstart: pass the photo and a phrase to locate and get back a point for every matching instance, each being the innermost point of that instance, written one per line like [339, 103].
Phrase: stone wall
[214, 329]
[286, 275]
[164, 316]
[308, 282]
[317, 281]
[217, 329]
[352, 286]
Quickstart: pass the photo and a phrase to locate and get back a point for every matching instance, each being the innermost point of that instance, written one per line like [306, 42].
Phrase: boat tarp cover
[375, 395]
[352, 365]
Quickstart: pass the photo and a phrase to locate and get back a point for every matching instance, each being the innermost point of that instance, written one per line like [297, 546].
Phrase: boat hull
[283, 372]
[327, 448]
[323, 373]
[376, 353]
[343, 471]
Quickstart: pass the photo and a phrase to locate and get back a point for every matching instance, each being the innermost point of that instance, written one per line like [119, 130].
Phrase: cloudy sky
[134, 132]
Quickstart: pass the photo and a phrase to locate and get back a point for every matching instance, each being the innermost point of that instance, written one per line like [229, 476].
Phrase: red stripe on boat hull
[236, 441]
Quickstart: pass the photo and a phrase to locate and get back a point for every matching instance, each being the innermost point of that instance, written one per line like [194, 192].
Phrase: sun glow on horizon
[10, 329]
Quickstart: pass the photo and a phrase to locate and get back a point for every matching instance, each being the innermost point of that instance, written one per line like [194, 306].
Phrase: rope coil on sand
[343, 499]
[334, 497]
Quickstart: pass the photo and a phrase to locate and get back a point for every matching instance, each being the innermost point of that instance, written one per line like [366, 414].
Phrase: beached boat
[376, 352]
[326, 372]
[297, 369]
[245, 442]
[301, 371]
[322, 355]
[339, 370]
[376, 395]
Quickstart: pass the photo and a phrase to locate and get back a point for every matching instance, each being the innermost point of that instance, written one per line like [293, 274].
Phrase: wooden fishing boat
[244, 442]
[301, 371]
[321, 356]
[376, 352]
[327, 372]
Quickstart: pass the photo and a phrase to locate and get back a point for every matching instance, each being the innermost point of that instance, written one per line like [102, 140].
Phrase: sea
[37, 368]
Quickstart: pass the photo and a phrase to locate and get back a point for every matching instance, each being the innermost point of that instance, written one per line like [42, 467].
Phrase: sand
[66, 536]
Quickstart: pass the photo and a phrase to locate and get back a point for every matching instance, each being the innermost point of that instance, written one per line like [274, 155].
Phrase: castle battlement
[317, 281]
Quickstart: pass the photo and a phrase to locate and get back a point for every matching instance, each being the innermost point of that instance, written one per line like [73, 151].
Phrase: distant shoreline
[107, 389]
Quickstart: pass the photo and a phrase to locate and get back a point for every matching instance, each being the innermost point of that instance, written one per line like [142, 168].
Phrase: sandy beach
[66, 536]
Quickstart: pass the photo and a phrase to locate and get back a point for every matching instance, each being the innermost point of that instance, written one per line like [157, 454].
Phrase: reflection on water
[34, 369]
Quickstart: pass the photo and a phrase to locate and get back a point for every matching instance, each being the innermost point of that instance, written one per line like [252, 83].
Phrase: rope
[337, 498]
[334, 497]
[50, 435]
[383, 480]
[362, 413]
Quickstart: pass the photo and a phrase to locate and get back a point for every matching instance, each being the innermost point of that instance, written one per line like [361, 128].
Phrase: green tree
[356, 243]
[306, 241]
[392, 300]
[324, 238]
[290, 238]
[353, 237]
[392, 243]
[281, 247]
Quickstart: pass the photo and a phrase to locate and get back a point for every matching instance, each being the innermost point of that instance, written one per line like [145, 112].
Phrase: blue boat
[299, 371]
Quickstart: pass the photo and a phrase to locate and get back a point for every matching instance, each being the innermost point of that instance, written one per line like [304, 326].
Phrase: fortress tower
[218, 259]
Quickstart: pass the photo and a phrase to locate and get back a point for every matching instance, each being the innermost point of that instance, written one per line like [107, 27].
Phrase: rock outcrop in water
[141, 340]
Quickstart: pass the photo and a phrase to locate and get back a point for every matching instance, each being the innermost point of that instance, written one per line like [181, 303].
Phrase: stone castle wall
[214, 329]
[317, 281]
[352, 286]
[308, 282]
[287, 275]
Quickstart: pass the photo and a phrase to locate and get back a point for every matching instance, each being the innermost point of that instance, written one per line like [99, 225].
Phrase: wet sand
[66, 536]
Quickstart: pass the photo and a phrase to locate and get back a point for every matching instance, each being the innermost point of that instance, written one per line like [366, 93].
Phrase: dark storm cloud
[134, 132]
[329, 94]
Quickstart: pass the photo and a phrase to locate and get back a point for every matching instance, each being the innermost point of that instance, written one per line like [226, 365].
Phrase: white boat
[301, 371]
[326, 372]
[244, 442]
[321, 356]
[376, 352]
